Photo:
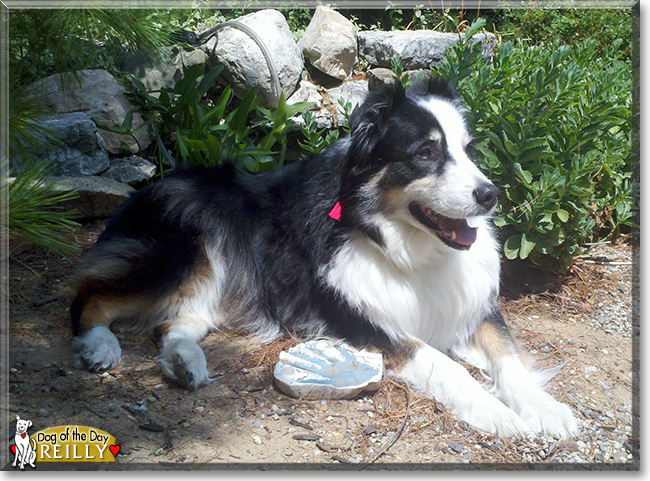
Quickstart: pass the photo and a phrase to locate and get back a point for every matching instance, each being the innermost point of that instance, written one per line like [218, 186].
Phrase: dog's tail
[33, 441]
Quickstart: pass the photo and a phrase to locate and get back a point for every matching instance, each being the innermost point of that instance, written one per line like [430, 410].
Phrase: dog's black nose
[486, 195]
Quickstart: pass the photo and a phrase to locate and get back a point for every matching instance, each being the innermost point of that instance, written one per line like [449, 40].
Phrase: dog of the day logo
[62, 444]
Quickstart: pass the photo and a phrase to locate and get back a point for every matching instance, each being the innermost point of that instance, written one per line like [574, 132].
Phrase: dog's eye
[426, 151]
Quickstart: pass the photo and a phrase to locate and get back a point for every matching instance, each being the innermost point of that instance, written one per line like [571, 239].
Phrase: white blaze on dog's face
[453, 194]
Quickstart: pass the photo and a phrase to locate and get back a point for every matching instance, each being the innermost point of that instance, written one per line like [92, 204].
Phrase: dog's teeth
[453, 235]
[472, 222]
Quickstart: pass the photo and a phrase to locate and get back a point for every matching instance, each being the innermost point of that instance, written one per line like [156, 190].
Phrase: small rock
[112, 407]
[153, 427]
[454, 446]
[288, 453]
[257, 440]
[131, 170]
[199, 409]
[306, 437]
[370, 429]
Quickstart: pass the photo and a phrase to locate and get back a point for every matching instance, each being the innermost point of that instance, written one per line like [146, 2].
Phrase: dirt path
[584, 322]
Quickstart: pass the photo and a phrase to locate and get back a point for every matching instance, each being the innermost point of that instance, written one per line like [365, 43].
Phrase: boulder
[97, 94]
[165, 74]
[307, 92]
[415, 48]
[98, 196]
[131, 170]
[353, 93]
[381, 78]
[244, 64]
[329, 43]
[328, 112]
[73, 145]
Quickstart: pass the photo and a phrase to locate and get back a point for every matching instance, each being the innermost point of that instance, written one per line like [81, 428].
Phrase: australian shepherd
[384, 241]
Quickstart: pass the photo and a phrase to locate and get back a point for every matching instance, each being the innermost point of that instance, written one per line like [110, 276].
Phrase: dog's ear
[29, 423]
[368, 121]
[17, 418]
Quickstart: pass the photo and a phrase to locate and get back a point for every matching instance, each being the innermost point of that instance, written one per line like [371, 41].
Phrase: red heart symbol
[13, 449]
[23, 435]
[115, 448]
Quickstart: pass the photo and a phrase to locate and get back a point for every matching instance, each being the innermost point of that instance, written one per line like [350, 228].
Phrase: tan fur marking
[102, 311]
[493, 342]
[396, 358]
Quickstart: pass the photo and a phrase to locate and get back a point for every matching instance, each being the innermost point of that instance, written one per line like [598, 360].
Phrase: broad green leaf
[526, 247]
[563, 215]
[512, 246]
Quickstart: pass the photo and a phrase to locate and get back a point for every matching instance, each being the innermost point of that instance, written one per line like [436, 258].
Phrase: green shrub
[570, 25]
[35, 213]
[553, 131]
[200, 131]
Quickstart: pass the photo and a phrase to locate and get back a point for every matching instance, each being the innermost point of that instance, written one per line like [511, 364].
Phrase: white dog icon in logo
[25, 452]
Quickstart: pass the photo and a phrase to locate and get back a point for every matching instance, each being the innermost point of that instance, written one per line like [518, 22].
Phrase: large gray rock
[307, 92]
[131, 170]
[97, 94]
[353, 93]
[98, 196]
[244, 64]
[381, 78]
[330, 43]
[415, 48]
[73, 145]
[164, 74]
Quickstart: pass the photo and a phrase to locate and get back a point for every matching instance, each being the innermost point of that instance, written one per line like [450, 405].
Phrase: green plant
[553, 130]
[35, 213]
[201, 131]
[315, 140]
[570, 25]
[45, 42]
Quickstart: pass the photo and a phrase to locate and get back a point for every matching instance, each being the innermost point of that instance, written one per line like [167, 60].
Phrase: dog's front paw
[495, 417]
[184, 361]
[546, 415]
[97, 349]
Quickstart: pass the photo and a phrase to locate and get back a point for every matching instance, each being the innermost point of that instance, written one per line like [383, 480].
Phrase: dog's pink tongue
[464, 234]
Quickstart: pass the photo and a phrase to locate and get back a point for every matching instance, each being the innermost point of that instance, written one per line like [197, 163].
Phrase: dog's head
[22, 425]
[411, 159]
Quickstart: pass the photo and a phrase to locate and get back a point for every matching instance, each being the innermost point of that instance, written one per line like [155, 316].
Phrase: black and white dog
[383, 240]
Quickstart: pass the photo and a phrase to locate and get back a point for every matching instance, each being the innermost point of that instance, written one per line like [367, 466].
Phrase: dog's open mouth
[455, 233]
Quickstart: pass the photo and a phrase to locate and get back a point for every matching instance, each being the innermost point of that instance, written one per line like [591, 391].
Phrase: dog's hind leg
[181, 357]
[94, 345]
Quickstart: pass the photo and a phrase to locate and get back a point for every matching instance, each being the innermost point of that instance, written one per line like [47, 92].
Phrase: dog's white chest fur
[430, 292]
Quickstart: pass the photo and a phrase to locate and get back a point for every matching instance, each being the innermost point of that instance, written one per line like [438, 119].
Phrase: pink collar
[336, 212]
